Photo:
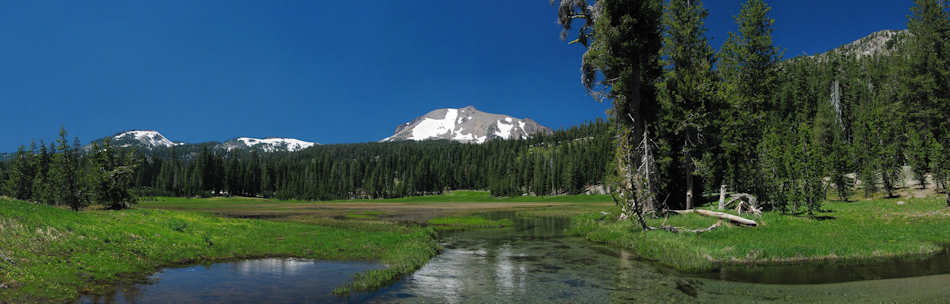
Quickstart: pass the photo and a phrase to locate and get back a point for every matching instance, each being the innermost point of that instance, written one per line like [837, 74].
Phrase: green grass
[856, 232]
[468, 222]
[366, 215]
[50, 254]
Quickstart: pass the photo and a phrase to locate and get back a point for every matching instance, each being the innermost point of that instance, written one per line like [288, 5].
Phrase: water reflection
[836, 272]
[281, 267]
[534, 263]
[531, 262]
[252, 281]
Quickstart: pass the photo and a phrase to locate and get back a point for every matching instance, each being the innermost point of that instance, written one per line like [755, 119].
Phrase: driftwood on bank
[720, 215]
[744, 201]
[679, 229]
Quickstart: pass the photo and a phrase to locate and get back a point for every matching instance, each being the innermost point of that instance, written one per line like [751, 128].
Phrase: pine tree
[623, 46]
[927, 83]
[66, 176]
[939, 164]
[112, 176]
[42, 188]
[687, 94]
[916, 155]
[748, 65]
[839, 163]
[19, 184]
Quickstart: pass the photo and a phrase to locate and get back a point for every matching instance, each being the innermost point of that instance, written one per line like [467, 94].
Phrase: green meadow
[49, 254]
[852, 232]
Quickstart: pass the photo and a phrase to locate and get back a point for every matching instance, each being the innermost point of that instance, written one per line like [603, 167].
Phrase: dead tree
[744, 202]
[636, 192]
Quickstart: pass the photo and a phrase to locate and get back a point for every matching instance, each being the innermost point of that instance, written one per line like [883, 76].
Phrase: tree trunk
[722, 196]
[689, 191]
[721, 215]
[948, 198]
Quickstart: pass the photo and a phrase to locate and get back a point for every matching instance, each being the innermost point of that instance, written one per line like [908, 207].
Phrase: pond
[533, 262]
[276, 280]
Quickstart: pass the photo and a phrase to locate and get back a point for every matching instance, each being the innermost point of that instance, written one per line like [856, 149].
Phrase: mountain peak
[146, 138]
[466, 125]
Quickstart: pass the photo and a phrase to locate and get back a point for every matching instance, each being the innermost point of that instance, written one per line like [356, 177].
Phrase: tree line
[62, 174]
[692, 120]
[566, 161]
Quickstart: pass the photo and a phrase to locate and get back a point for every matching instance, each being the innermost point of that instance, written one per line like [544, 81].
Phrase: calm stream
[534, 263]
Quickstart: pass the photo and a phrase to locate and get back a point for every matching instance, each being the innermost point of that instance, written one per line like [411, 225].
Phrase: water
[533, 262]
[277, 280]
[536, 263]
[823, 273]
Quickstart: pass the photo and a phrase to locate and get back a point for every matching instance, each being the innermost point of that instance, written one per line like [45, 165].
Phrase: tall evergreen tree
[688, 90]
[927, 83]
[112, 176]
[917, 152]
[748, 65]
[66, 174]
[939, 163]
[19, 183]
[623, 46]
[42, 187]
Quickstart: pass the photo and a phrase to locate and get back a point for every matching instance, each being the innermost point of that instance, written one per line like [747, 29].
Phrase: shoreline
[56, 255]
[861, 233]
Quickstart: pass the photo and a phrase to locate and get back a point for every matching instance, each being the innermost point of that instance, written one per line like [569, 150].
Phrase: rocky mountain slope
[467, 125]
[143, 138]
[878, 43]
[267, 144]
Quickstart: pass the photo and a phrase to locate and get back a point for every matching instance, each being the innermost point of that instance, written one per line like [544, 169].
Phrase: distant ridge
[270, 144]
[151, 139]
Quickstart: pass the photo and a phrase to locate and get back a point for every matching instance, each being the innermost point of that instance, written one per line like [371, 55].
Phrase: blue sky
[325, 71]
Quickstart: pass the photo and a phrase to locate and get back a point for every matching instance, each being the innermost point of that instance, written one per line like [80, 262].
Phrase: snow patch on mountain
[466, 125]
[270, 144]
[429, 127]
[504, 128]
[146, 138]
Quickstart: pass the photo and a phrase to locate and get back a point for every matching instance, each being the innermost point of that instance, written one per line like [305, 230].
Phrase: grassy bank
[854, 232]
[52, 255]
[468, 222]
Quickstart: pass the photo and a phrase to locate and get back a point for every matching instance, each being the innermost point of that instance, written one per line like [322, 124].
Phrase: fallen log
[697, 231]
[720, 215]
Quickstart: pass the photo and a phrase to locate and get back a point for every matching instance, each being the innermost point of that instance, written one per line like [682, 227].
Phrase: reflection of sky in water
[530, 263]
[253, 281]
[527, 265]
[284, 267]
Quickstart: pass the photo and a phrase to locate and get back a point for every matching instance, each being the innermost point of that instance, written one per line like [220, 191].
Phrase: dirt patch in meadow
[395, 212]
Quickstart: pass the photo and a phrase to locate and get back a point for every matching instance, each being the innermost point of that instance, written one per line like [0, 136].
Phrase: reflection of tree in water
[131, 293]
[541, 227]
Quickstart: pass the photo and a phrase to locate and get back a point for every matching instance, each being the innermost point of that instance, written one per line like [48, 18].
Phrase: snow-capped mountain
[267, 144]
[149, 139]
[142, 138]
[466, 125]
